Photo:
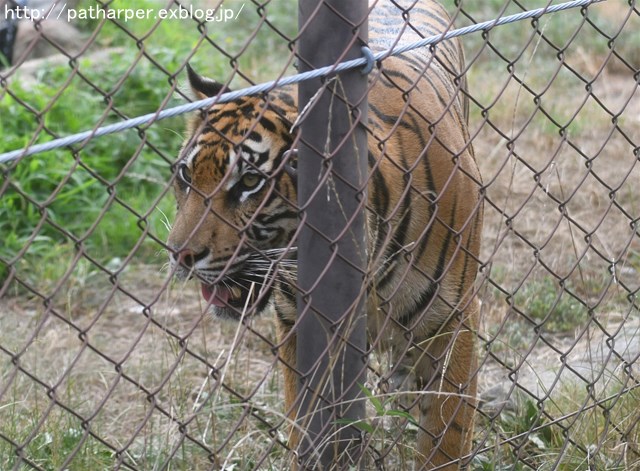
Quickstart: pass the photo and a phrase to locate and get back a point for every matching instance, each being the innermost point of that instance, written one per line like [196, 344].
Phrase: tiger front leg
[287, 345]
[447, 402]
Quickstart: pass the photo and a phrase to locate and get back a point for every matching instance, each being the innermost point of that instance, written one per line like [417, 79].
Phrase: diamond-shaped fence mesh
[179, 294]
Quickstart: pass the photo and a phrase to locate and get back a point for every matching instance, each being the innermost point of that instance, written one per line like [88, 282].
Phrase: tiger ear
[203, 87]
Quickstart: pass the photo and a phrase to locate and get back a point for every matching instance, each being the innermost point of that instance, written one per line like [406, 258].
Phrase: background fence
[106, 363]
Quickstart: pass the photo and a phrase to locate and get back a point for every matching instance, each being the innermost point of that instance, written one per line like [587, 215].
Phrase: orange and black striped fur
[237, 214]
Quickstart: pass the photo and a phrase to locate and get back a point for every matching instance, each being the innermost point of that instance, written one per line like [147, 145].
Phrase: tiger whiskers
[386, 263]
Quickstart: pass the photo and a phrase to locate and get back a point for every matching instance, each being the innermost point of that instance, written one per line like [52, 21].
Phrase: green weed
[549, 306]
[574, 430]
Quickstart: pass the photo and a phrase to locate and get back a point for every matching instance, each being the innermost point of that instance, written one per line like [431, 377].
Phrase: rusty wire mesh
[107, 362]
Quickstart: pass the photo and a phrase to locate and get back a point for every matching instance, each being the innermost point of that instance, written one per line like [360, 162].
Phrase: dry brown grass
[147, 380]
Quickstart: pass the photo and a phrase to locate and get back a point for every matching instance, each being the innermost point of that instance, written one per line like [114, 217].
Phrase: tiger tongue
[216, 295]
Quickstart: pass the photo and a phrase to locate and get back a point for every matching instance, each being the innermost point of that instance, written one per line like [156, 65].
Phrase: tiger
[235, 186]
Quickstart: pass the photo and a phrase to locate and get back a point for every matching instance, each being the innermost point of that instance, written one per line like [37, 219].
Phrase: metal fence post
[332, 168]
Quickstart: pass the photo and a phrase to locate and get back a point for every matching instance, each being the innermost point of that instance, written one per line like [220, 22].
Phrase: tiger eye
[250, 180]
[185, 173]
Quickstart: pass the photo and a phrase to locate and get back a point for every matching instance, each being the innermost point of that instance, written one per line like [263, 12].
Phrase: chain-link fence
[497, 261]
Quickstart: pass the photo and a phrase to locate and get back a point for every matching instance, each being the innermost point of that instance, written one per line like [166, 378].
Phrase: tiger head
[234, 184]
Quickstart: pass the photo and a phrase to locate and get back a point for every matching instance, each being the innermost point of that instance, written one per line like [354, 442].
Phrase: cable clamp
[368, 67]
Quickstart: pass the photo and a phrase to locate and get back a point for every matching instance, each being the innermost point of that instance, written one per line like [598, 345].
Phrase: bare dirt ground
[588, 243]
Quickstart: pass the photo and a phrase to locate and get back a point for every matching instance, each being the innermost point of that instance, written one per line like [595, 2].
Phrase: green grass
[48, 446]
[102, 200]
[49, 450]
[67, 195]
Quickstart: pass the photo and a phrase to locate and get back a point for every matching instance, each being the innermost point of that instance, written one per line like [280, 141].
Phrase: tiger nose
[188, 258]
